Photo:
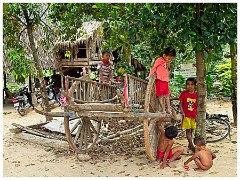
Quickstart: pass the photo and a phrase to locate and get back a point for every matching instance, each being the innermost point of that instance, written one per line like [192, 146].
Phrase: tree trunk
[36, 61]
[202, 94]
[201, 81]
[234, 80]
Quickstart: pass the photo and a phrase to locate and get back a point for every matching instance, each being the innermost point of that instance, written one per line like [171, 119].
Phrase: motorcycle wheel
[21, 110]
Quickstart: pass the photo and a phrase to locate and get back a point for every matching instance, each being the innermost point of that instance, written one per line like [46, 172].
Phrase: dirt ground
[25, 159]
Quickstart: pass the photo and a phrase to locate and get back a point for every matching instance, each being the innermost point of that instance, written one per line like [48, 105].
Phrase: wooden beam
[97, 107]
[51, 114]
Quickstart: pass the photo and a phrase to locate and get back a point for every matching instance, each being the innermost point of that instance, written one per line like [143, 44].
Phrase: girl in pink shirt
[161, 68]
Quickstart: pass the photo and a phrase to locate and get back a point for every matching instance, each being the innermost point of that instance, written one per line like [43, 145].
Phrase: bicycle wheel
[21, 110]
[216, 130]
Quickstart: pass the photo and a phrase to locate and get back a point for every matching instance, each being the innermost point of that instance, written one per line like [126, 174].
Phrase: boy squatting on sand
[203, 158]
[165, 152]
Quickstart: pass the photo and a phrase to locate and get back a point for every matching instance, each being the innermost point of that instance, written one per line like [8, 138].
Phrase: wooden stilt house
[85, 51]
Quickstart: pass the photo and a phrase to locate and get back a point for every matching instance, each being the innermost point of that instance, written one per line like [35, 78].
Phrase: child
[188, 107]
[105, 68]
[165, 143]
[161, 67]
[204, 157]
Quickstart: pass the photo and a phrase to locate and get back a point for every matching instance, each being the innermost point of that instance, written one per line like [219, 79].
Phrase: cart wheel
[149, 125]
[84, 134]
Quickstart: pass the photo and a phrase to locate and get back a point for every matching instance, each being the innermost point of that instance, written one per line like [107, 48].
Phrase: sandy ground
[24, 159]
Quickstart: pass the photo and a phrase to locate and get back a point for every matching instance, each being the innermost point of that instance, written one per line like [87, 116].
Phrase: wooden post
[30, 84]
[5, 80]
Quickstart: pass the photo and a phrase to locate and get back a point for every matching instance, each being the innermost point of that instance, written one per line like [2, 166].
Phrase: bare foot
[169, 111]
[171, 164]
[163, 112]
[197, 169]
[178, 158]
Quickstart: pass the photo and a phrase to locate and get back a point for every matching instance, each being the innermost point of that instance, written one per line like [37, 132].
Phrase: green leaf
[122, 37]
[148, 6]
[94, 6]
[192, 33]
[116, 7]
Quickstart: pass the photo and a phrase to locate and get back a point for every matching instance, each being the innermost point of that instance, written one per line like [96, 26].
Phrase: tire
[83, 136]
[216, 130]
[21, 110]
[151, 134]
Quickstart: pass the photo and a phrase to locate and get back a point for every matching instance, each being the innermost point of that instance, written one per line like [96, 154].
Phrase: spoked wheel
[151, 134]
[21, 110]
[83, 135]
[216, 130]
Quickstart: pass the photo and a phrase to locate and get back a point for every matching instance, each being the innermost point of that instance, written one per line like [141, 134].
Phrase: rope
[135, 111]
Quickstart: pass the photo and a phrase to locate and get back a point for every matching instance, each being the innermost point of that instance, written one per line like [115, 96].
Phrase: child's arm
[166, 153]
[109, 76]
[213, 155]
[157, 63]
[100, 75]
[159, 125]
[191, 158]
[181, 108]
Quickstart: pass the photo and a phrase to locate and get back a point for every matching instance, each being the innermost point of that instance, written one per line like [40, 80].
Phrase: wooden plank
[115, 114]
[79, 64]
[39, 133]
[97, 107]
[115, 98]
[56, 144]
[51, 114]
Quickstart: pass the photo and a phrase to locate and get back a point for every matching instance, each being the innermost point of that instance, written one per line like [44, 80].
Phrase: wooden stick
[39, 133]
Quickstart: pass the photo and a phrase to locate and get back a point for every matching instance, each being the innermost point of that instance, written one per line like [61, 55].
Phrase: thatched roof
[88, 31]
[50, 59]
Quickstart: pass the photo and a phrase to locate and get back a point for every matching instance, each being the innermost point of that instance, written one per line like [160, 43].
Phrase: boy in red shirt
[162, 67]
[188, 107]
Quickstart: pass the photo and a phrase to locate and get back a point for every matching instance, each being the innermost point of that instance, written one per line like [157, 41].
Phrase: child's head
[171, 132]
[169, 54]
[199, 142]
[106, 55]
[191, 84]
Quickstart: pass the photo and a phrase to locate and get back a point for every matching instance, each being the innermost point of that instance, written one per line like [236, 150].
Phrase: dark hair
[169, 51]
[171, 132]
[105, 51]
[199, 141]
[192, 79]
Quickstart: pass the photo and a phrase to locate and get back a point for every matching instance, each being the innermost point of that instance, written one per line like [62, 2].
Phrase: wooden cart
[95, 102]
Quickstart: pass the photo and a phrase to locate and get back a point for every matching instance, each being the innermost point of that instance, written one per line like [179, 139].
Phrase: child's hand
[163, 165]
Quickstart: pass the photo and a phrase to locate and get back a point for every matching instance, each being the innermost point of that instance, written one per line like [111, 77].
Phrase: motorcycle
[23, 101]
[54, 93]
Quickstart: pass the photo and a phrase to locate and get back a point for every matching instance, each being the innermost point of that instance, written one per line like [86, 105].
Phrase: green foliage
[67, 54]
[224, 75]
[177, 85]
[47, 73]
[22, 67]
[14, 87]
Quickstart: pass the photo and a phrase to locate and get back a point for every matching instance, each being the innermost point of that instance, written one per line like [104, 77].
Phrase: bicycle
[217, 125]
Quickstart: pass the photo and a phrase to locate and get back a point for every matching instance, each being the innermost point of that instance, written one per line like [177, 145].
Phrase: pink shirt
[160, 67]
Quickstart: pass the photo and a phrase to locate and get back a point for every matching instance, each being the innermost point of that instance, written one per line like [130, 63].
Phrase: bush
[224, 75]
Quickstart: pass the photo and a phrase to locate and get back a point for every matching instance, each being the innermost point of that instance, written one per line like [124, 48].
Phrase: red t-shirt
[189, 103]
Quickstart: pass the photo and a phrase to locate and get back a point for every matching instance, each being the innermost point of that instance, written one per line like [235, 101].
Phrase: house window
[82, 52]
